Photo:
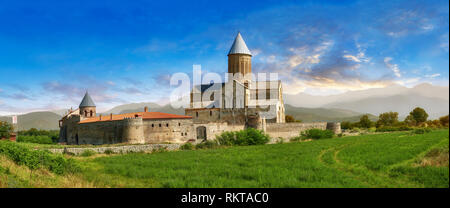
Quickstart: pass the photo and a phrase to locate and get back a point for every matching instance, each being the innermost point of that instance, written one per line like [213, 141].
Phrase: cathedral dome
[239, 46]
[87, 101]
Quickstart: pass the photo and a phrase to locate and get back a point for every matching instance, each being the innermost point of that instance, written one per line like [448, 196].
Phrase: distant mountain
[41, 120]
[61, 112]
[403, 104]
[434, 99]
[323, 114]
[132, 107]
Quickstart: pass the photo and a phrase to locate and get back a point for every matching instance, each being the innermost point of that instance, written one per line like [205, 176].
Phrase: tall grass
[380, 160]
[35, 159]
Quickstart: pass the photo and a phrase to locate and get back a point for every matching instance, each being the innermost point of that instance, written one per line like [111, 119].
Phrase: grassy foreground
[380, 160]
[400, 159]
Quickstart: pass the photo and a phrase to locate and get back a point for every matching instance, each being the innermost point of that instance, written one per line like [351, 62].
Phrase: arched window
[159, 125]
[91, 113]
[210, 113]
[167, 125]
[85, 113]
[153, 125]
[196, 114]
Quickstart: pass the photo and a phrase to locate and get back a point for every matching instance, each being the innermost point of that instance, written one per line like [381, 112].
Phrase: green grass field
[378, 160]
[400, 159]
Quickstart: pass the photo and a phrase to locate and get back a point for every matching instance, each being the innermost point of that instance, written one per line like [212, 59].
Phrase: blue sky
[125, 51]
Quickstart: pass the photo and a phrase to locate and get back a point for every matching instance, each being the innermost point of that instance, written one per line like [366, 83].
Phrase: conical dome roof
[87, 101]
[239, 46]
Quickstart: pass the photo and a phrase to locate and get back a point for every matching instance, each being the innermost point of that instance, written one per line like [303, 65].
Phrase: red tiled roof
[144, 115]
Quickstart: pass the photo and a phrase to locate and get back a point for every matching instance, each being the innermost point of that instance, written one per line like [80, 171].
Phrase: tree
[418, 115]
[387, 119]
[346, 125]
[5, 129]
[444, 120]
[289, 119]
[409, 120]
[365, 122]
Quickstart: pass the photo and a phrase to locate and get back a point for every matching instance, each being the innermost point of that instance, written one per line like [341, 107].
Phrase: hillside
[435, 107]
[324, 114]
[41, 120]
[434, 99]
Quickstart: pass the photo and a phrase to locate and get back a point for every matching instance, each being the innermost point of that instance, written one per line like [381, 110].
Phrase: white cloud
[408, 82]
[393, 67]
[432, 75]
[255, 52]
[352, 58]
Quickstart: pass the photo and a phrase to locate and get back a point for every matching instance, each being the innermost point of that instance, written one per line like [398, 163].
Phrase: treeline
[34, 135]
[417, 118]
[5, 130]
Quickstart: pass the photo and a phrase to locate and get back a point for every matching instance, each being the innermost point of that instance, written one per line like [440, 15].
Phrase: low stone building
[133, 128]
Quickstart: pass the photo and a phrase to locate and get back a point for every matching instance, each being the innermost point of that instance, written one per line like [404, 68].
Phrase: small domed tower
[87, 107]
[239, 57]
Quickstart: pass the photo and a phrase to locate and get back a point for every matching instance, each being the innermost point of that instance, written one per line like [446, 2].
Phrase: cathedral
[239, 103]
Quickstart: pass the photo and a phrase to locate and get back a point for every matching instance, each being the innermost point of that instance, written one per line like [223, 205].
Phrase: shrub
[393, 128]
[296, 139]
[5, 129]
[35, 139]
[88, 153]
[34, 159]
[52, 134]
[289, 119]
[444, 120]
[187, 146]
[108, 151]
[248, 136]
[346, 125]
[422, 130]
[208, 144]
[317, 134]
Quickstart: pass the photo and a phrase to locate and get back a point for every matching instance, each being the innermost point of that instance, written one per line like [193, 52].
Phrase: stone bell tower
[87, 107]
[239, 57]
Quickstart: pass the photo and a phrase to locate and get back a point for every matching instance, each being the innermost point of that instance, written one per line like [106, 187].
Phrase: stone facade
[289, 130]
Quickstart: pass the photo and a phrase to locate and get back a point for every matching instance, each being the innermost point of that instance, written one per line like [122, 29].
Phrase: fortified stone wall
[168, 130]
[213, 129]
[135, 131]
[69, 130]
[288, 130]
[105, 132]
